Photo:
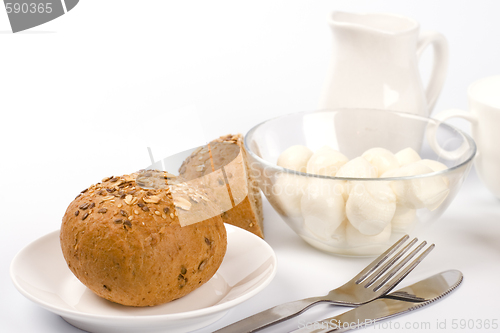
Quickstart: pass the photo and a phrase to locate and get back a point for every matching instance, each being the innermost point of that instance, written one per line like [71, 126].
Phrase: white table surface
[82, 97]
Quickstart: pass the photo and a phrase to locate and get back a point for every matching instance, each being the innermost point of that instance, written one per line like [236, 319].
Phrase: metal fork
[369, 284]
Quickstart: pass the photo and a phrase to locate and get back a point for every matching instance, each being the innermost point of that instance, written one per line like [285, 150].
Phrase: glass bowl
[359, 216]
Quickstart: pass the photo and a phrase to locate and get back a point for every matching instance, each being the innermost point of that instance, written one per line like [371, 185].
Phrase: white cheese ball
[382, 160]
[355, 168]
[336, 244]
[355, 238]
[407, 156]
[426, 192]
[371, 206]
[436, 167]
[295, 158]
[287, 192]
[389, 173]
[323, 207]
[326, 161]
[404, 219]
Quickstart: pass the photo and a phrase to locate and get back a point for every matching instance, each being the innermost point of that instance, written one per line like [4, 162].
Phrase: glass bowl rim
[428, 120]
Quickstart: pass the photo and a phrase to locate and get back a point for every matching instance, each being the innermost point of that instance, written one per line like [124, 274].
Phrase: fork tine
[389, 264]
[389, 286]
[379, 261]
[396, 268]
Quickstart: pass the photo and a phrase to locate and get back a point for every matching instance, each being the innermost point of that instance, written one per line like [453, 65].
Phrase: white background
[83, 96]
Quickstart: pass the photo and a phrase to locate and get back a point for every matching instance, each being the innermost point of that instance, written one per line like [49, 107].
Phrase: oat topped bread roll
[125, 243]
[247, 214]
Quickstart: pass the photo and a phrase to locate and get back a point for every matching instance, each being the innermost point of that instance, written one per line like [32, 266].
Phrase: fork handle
[271, 316]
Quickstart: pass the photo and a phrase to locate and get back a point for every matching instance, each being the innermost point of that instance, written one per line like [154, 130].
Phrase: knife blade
[399, 302]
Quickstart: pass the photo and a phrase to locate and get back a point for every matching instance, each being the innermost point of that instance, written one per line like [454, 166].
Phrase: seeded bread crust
[248, 213]
[125, 243]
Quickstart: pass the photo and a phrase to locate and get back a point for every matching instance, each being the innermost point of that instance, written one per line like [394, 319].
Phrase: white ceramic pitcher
[375, 64]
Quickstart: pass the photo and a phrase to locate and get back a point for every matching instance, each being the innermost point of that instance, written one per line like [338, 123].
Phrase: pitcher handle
[440, 67]
[441, 117]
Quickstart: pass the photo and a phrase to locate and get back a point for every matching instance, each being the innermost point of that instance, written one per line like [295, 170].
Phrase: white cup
[484, 115]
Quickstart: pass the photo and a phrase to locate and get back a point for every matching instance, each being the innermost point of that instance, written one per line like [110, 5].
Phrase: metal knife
[399, 302]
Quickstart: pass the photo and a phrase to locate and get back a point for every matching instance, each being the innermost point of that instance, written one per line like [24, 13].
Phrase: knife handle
[271, 316]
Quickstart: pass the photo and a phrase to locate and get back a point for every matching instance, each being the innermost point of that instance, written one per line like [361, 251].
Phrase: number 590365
[26, 7]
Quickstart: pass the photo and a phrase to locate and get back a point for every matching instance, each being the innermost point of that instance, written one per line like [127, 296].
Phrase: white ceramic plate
[40, 273]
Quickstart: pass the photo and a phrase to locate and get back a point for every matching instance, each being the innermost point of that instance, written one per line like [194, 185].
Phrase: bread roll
[247, 214]
[125, 243]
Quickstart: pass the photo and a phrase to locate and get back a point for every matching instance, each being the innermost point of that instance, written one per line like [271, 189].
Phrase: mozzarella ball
[404, 219]
[434, 165]
[287, 192]
[336, 243]
[326, 161]
[355, 238]
[355, 168]
[427, 192]
[295, 158]
[370, 207]
[407, 156]
[389, 173]
[382, 160]
[323, 207]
